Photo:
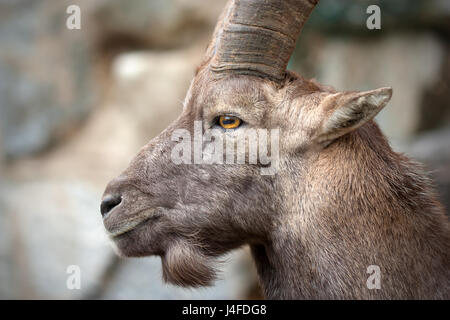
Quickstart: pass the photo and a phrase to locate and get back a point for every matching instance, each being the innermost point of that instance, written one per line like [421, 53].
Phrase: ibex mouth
[129, 224]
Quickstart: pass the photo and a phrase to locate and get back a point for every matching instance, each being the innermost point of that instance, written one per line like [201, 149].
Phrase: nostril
[109, 202]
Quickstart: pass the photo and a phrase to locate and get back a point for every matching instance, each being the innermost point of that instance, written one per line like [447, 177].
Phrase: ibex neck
[357, 204]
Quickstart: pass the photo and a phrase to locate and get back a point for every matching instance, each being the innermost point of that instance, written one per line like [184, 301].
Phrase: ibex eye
[229, 122]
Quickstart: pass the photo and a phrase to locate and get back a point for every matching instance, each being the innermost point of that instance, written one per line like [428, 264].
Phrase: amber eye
[229, 122]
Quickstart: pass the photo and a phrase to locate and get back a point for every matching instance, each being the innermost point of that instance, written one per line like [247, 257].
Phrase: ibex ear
[346, 111]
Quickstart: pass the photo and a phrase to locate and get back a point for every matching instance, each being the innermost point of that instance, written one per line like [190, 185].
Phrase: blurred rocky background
[76, 105]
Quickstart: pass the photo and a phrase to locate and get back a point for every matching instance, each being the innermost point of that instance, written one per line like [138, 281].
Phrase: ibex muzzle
[340, 201]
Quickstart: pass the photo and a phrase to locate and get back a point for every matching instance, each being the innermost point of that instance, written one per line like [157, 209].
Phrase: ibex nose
[109, 202]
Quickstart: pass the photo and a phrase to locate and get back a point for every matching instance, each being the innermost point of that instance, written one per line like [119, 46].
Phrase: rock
[46, 85]
[45, 227]
[435, 112]
[350, 16]
[433, 149]
[153, 85]
[153, 24]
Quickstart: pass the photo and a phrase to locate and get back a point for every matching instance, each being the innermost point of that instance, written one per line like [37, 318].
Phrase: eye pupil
[229, 122]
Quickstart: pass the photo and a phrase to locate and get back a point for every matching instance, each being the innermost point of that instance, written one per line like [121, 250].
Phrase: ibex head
[189, 213]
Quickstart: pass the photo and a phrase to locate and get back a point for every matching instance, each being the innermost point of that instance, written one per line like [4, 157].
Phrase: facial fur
[192, 212]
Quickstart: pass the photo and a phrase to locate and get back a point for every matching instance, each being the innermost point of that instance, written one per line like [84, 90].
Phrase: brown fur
[341, 200]
[332, 209]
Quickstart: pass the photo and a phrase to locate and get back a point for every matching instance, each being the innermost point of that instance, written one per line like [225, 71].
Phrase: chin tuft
[184, 265]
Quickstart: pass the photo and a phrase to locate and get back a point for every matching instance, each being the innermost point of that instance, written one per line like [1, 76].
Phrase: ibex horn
[257, 37]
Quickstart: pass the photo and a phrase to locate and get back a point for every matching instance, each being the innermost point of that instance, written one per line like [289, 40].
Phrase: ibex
[340, 202]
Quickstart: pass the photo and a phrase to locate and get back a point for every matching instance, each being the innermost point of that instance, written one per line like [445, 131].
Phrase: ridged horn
[257, 37]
